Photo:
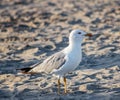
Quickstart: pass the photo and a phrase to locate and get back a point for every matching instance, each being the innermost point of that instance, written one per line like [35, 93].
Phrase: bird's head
[78, 35]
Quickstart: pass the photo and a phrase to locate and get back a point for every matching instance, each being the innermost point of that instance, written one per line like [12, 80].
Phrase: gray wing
[55, 61]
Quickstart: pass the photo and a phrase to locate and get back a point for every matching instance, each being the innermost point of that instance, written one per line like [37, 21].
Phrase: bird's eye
[79, 32]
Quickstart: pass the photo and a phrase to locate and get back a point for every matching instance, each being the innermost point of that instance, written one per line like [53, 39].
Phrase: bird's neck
[74, 45]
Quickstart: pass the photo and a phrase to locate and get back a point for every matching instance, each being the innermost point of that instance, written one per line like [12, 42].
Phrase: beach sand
[32, 30]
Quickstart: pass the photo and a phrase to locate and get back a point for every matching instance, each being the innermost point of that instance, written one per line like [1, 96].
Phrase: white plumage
[65, 61]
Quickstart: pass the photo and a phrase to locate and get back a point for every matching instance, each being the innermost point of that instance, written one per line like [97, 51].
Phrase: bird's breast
[74, 59]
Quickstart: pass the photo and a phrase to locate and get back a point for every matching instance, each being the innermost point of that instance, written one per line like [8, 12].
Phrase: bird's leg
[59, 86]
[65, 85]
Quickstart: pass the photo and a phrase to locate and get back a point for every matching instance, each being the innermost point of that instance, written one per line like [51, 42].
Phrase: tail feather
[26, 70]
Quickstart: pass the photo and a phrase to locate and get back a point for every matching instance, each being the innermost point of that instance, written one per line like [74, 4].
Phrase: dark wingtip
[25, 70]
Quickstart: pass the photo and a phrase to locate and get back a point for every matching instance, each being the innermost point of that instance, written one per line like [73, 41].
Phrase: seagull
[62, 62]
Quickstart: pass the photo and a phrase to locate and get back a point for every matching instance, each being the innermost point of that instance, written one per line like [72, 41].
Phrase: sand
[31, 30]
